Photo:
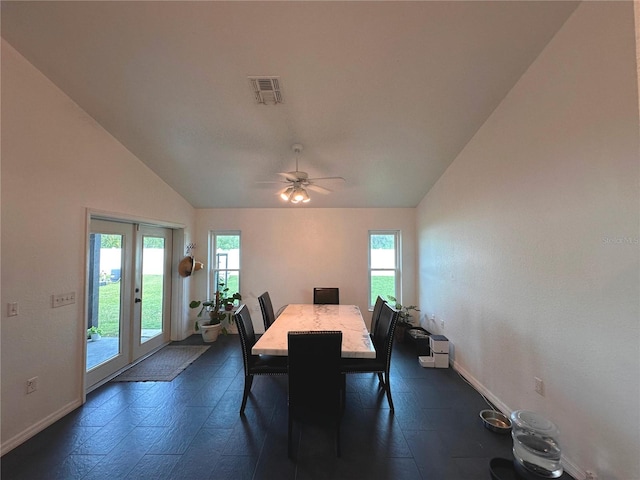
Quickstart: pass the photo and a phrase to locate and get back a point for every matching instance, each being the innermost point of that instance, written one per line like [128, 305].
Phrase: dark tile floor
[190, 429]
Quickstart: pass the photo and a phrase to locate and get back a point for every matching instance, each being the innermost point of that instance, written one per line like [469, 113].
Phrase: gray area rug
[164, 365]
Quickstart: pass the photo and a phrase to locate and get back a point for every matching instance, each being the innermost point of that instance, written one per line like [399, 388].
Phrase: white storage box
[427, 361]
[441, 360]
[439, 344]
[436, 360]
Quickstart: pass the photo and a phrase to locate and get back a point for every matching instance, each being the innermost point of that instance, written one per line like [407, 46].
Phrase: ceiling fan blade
[327, 178]
[318, 188]
[271, 182]
[290, 176]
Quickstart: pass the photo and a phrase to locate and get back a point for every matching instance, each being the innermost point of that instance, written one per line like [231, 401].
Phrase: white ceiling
[384, 94]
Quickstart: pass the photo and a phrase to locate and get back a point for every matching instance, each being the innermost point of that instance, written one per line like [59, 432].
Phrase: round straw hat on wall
[188, 265]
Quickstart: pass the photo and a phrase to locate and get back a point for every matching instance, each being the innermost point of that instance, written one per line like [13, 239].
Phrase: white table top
[356, 342]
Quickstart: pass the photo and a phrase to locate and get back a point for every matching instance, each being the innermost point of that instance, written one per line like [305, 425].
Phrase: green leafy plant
[216, 307]
[93, 331]
[406, 317]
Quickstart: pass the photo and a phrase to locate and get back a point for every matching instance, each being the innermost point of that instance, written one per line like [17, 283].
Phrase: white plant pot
[210, 332]
[95, 337]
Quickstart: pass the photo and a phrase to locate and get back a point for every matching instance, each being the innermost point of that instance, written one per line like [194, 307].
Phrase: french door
[128, 295]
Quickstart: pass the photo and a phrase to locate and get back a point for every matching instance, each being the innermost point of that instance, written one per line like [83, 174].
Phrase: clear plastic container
[535, 444]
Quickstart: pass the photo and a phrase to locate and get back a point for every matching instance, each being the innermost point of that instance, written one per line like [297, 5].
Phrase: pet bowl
[495, 421]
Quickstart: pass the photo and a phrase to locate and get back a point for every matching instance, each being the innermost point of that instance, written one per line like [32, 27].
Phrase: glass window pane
[152, 287]
[227, 252]
[226, 264]
[383, 251]
[104, 297]
[383, 283]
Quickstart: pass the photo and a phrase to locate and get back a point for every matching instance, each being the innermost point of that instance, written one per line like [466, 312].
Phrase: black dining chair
[254, 364]
[326, 296]
[375, 316]
[268, 316]
[315, 380]
[383, 343]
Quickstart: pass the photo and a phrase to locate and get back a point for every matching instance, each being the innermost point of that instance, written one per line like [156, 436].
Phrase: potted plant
[405, 320]
[94, 333]
[216, 310]
[228, 301]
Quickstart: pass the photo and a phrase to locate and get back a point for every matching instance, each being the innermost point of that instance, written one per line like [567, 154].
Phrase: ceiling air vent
[266, 90]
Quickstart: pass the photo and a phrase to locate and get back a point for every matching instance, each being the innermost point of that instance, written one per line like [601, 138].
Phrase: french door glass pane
[105, 293]
[152, 287]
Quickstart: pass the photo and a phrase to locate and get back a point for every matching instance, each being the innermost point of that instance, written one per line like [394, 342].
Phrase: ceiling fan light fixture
[299, 195]
[299, 183]
[286, 195]
[296, 194]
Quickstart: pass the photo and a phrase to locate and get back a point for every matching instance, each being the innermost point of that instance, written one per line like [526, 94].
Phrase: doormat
[164, 365]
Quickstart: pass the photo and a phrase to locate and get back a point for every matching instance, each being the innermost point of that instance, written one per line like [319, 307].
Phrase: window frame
[213, 270]
[398, 263]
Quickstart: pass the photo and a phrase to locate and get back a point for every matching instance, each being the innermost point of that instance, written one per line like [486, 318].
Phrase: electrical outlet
[63, 299]
[539, 385]
[32, 385]
[590, 475]
[12, 309]
[442, 323]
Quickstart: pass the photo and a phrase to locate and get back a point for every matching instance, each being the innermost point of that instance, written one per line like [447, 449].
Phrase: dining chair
[326, 296]
[315, 379]
[375, 316]
[268, 316]
[254, 364]
[383, 343]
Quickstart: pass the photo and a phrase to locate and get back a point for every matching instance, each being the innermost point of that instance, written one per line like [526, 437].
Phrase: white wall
[529, 244]
[288, 251]
[57, 162]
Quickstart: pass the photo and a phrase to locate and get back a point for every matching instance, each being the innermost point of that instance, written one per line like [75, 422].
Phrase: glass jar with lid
[535, 445]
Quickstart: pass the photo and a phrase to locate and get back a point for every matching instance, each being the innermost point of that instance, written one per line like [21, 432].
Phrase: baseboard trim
[567, 464]
[36, 428]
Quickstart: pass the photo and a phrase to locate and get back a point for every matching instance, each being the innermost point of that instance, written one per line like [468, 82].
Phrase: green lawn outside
[109, 310]
[383, 286]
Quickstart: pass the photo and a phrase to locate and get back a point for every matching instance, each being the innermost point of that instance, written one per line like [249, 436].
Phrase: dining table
[356, 341]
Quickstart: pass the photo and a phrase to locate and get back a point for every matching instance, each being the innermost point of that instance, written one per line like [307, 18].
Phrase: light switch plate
[63, 299]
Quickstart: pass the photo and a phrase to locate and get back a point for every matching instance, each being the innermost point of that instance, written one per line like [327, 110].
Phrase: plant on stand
[405, 320]
[94, 333]
[216, 310]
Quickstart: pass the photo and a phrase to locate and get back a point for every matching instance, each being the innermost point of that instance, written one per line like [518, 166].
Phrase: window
[384, 264]
[225, 261]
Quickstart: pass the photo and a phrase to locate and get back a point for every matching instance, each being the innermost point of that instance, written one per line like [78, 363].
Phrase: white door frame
[175, 330]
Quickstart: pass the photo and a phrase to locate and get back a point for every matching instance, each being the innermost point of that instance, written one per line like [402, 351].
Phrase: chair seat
[267, 364]
[364, 365]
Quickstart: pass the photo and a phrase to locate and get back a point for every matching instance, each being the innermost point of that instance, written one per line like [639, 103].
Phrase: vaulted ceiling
[384, 94]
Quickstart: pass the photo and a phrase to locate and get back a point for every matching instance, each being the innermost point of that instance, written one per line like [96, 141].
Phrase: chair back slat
[314, 370]
[375, 317]
[268, 316]
[326, 296]
[246, 333]
[383, 335]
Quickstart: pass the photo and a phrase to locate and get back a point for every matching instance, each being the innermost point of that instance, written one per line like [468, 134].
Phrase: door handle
[137, 300]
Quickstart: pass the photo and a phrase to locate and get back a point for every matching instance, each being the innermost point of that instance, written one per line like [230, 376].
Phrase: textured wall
[529, 244]
[56, 163]
[288, 251]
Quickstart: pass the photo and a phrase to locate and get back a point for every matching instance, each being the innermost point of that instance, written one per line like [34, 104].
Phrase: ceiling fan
[298, 183]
